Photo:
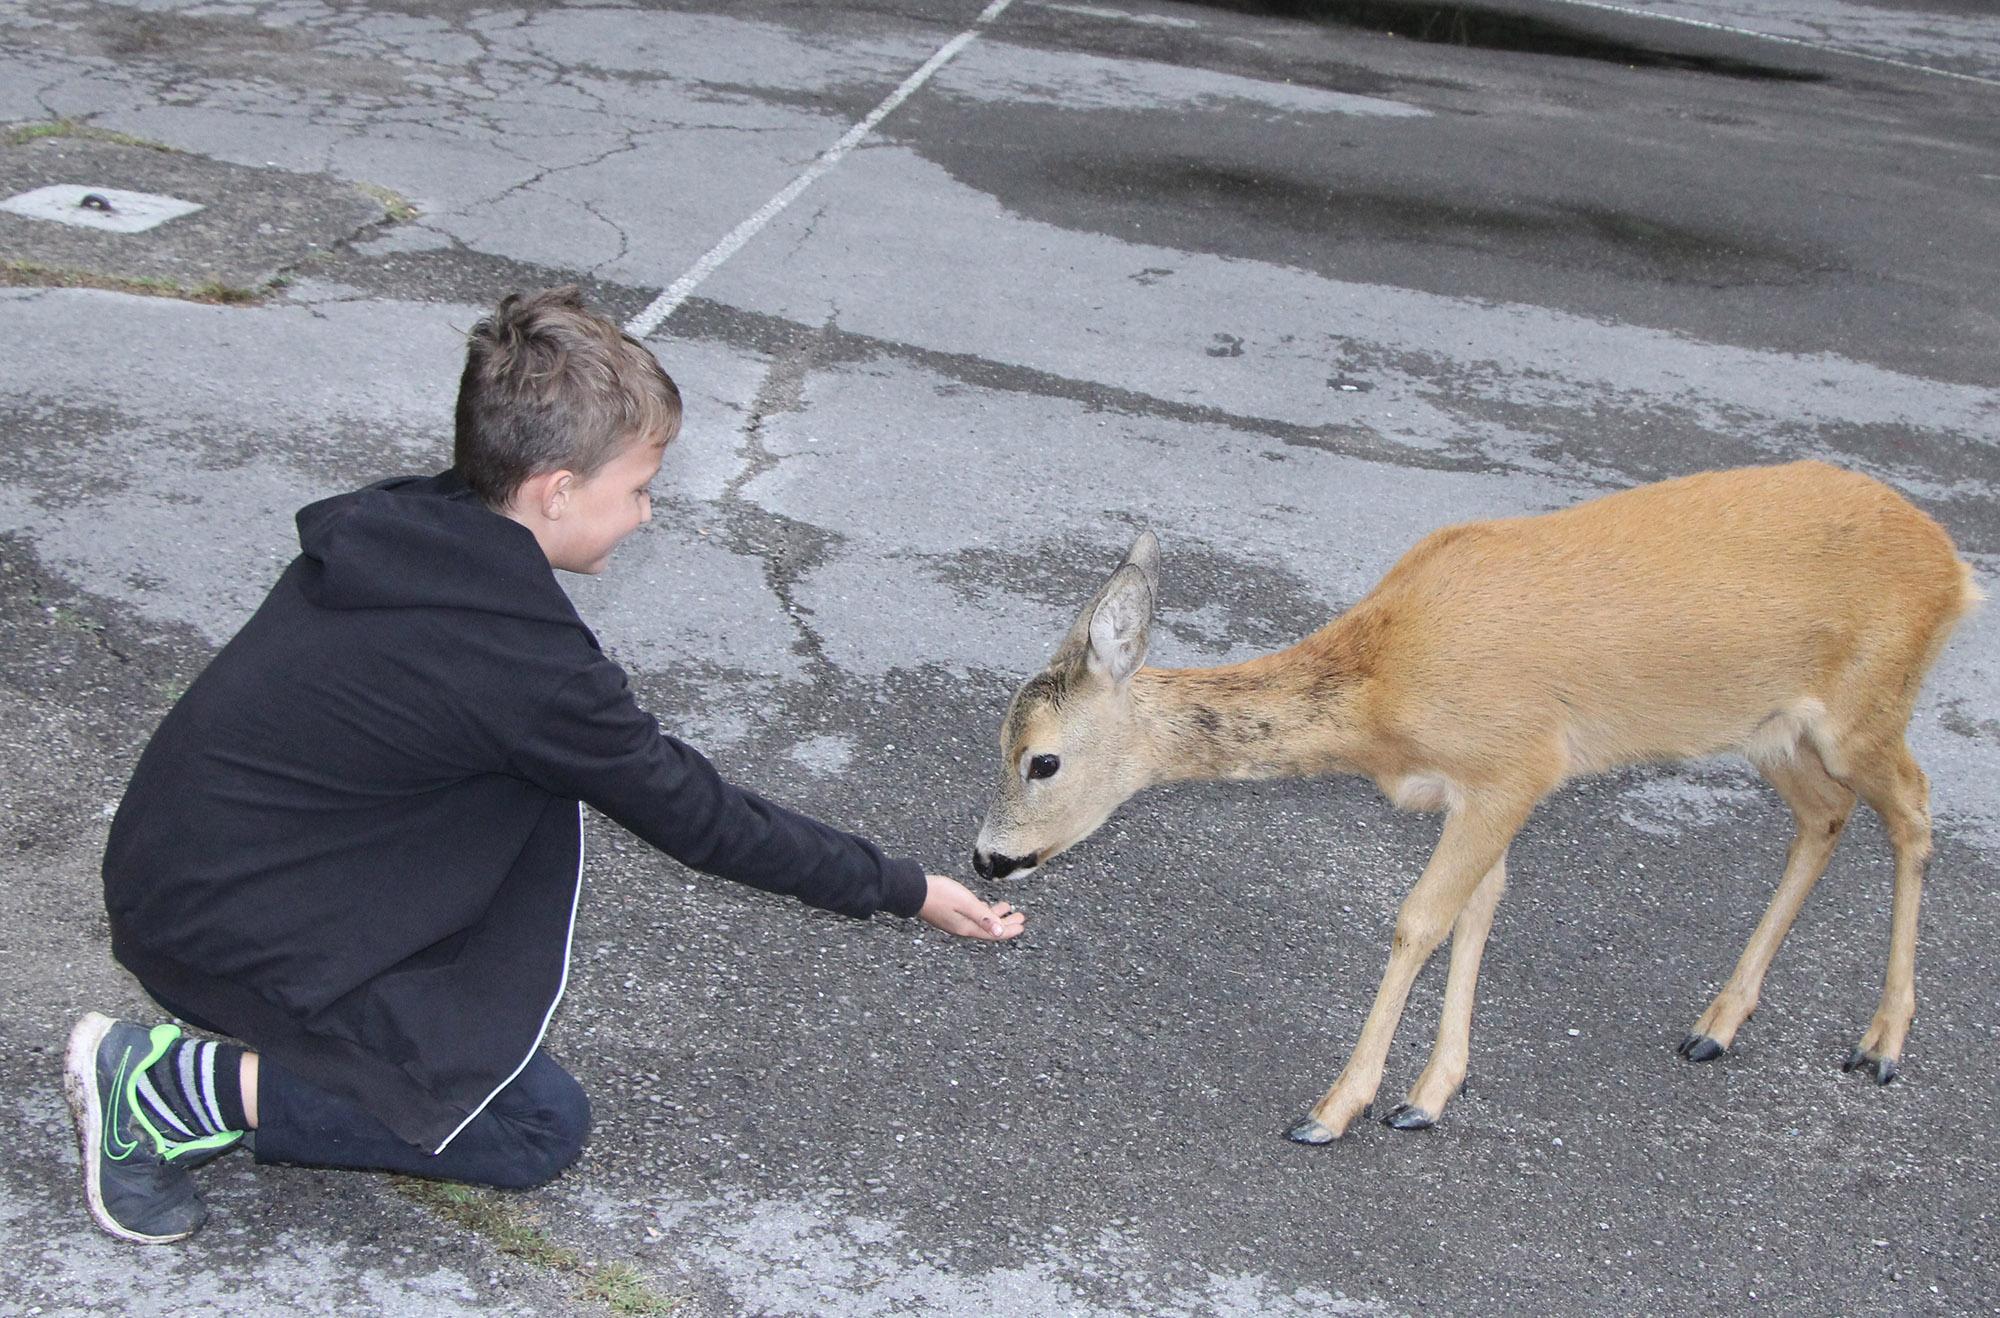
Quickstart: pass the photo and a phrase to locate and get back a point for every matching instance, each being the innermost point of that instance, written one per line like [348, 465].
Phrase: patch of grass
[227, 294]
[65, 616]
[623, 1289]
[513, 1231]
[33, 274]
[21, 134]
[398, 207]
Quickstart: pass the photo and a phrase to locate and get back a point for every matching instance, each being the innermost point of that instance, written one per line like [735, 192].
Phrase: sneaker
[138, 1189]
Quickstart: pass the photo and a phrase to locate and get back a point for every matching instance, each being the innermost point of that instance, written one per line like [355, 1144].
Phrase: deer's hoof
[1700, 1048]
[1404, 1117]
[1311, 1131]
[1860, 1059]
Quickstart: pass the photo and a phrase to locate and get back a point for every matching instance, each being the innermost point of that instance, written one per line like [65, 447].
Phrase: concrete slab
[92, 206]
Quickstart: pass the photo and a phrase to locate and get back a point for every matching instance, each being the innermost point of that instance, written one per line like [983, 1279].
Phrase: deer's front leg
[1475, 838]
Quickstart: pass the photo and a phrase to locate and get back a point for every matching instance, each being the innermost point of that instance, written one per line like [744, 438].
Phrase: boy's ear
[545, 494]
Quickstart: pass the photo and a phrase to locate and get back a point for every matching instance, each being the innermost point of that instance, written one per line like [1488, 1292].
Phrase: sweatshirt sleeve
[594, 743]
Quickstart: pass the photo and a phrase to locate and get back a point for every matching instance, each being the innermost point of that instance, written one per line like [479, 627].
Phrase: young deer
[1787, 613]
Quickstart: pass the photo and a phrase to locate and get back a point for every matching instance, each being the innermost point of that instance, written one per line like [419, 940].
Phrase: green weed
[513, 1231]
[21, 134]
[394, 204]
[34, 274]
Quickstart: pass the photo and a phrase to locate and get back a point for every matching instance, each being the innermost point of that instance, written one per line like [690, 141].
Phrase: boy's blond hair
[550, 386]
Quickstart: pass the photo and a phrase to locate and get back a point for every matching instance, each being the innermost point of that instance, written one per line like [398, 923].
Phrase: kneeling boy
[355, 844]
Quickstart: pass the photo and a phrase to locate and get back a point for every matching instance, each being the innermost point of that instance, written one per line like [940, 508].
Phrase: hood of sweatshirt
[426, 542]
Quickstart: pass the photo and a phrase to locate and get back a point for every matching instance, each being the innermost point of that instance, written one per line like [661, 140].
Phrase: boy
[355, 844]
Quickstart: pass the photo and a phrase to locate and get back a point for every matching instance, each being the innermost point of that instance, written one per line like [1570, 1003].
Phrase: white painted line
[1789, 41]
[670, 298]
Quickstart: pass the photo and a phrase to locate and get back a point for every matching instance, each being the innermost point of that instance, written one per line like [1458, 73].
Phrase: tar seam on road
[1789, 41]
[661, 307]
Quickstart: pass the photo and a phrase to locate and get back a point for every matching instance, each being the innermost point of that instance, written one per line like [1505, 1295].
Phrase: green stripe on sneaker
[161, 1041]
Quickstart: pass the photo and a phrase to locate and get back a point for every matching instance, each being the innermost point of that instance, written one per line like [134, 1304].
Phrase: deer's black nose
[993, 865]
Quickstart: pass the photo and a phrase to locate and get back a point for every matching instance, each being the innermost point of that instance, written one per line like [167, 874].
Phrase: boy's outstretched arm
[952, 907]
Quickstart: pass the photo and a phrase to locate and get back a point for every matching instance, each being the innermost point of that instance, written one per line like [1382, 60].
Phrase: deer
[1787, 614]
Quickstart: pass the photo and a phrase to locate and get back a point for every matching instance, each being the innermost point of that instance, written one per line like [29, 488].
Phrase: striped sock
[195, 1090]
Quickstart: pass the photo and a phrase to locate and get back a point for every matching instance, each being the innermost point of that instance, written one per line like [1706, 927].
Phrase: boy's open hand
[952, 908]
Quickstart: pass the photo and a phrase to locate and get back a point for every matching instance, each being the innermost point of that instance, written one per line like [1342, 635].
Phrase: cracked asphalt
[1291, 284]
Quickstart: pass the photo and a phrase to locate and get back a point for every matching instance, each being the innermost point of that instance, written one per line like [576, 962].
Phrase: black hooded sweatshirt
[356, 841]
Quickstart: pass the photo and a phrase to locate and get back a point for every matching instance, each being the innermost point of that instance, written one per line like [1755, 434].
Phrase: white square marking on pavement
[122, 212]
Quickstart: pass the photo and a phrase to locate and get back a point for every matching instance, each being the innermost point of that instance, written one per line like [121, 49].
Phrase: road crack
[788, 548]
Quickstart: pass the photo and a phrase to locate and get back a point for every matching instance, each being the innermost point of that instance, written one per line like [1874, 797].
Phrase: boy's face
[605, 508]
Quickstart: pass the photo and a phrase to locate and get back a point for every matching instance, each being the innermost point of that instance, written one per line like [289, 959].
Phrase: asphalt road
[1291, 284]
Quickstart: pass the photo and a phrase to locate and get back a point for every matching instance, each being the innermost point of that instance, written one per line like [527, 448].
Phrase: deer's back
[1665, 621]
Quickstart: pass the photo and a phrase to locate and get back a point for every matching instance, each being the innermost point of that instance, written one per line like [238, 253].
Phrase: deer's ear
[1109, 636]
[1145, 555]
[1120, 622]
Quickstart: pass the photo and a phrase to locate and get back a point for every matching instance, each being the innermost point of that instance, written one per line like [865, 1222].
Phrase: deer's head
[1072, 746]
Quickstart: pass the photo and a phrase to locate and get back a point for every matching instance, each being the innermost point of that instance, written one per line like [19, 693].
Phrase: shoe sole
[86, 1105]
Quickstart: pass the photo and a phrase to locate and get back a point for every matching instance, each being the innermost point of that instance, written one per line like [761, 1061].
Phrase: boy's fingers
[1003, 921]
[990, 927]
[963, 914]
[1007, 926]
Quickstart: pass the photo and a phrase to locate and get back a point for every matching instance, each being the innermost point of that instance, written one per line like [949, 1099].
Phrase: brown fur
[1787, 613]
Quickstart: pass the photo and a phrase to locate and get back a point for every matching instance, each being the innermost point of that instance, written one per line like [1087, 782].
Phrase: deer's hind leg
[1896, 789]
[1449, 1057]
[1820, 806]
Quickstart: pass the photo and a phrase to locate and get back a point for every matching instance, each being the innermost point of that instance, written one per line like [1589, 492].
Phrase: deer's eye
[1044, 766]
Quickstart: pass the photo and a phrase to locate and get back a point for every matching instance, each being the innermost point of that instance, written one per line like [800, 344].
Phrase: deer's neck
[1288, 714]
